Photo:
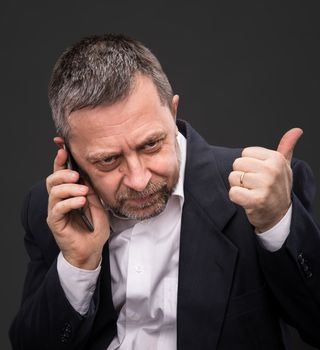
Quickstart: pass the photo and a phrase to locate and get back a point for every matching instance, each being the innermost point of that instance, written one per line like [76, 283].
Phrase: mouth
[144, 201]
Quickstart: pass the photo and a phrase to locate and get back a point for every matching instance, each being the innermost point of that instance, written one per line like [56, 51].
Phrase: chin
[144, 213]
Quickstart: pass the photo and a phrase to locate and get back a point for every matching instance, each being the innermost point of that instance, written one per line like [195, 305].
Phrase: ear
[174, 106]
[59, 141]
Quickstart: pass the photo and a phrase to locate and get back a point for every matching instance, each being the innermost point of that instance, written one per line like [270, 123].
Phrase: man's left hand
[261, 181]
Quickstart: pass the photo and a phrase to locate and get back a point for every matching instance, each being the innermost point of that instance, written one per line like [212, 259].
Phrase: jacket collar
[203, 180]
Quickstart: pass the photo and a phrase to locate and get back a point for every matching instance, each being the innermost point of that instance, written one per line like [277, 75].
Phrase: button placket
[139, 268]
[66, 333]
[303, 262]
[138, 278]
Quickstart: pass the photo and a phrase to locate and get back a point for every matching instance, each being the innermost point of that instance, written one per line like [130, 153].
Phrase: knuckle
[236, 163]
[60, 206]
[54, 191]
[49, 183]
[230, 177]
[232, 194]
[50, 221]
[244, 151]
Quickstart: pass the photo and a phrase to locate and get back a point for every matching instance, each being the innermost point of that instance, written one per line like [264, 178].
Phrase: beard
[141, 205]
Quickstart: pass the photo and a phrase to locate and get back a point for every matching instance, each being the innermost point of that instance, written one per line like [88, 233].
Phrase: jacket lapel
[207, 258]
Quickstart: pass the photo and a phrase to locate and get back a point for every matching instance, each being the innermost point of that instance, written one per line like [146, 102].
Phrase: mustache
[149, 190]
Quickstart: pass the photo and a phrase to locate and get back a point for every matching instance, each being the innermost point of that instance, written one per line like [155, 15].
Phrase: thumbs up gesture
[261, 181]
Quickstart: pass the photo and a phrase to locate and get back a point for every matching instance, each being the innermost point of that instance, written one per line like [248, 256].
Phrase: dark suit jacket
[232, 293]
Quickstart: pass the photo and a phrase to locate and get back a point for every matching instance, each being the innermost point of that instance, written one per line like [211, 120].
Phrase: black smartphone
[71, 164]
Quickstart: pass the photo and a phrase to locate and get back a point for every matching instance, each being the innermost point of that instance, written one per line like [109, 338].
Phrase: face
[129, 151]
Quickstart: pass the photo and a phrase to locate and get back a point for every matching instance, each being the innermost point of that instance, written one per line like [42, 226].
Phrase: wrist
[273, 223]
[90, 263]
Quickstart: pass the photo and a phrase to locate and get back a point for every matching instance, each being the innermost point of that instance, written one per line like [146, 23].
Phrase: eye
[109, 160]
[152, 145]
[108, 163]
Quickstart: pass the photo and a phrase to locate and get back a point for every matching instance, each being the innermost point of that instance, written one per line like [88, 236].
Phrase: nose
[137, 176]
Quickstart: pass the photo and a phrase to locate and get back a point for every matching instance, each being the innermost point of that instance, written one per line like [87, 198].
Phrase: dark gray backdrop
[246, 71]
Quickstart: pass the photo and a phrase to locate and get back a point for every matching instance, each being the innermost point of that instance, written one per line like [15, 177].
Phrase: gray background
[246, 71]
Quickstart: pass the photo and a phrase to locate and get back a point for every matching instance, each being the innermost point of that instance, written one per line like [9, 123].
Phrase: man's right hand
[79, 247]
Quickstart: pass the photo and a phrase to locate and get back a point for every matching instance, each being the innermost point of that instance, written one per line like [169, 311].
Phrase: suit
[232, 293]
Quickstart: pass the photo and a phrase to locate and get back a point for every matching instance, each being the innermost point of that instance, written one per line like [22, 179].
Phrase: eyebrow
[94, 157]
[100, 156]
[151, 138]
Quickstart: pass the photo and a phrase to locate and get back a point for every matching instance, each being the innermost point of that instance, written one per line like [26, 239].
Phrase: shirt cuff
[274, 238]
[77, 284]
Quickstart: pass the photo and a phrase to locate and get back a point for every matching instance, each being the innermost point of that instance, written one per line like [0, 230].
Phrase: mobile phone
[71, 164]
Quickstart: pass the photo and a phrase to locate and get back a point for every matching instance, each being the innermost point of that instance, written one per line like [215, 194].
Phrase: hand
[266, 176]
[79, 247]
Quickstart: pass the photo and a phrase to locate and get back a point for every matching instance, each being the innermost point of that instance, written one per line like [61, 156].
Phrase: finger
[61, 177]
[288, 142]
[59, 141]
[249, 180]
[60, 160]
[97, 211]
[257, 152]
[248, 164]
[62, 208]
[65, 191]
[242, 196]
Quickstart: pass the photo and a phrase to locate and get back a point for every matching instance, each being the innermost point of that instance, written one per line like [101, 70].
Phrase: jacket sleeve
[293, 272]
[46, 320]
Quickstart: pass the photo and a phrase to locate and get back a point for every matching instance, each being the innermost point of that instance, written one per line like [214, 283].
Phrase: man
[193, 246]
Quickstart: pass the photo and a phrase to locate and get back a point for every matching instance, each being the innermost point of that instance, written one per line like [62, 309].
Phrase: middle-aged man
[193, 246]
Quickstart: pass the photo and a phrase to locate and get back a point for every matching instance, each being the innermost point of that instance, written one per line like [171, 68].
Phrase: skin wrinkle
[100, 155]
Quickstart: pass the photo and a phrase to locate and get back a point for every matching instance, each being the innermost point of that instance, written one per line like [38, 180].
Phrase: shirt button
[139, 268]
[135, 317]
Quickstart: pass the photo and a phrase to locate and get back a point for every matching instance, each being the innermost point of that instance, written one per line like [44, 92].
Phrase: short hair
[101, 70]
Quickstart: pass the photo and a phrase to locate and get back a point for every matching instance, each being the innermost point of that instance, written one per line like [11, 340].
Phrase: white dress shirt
[144, 259]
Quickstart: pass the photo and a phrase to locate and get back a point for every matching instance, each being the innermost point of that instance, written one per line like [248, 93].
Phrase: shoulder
[304, 184]
[34, 209]
[39, 240]
[36, 202]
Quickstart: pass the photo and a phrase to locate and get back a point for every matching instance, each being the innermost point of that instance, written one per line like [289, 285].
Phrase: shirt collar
[182, 144]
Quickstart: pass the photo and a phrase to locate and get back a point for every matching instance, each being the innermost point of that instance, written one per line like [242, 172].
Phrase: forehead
[129, 120]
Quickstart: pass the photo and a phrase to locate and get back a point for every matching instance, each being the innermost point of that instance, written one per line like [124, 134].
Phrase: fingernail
[83, 189]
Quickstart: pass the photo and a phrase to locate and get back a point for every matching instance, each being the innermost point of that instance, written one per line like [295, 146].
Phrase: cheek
[106, 187]
[165, 166]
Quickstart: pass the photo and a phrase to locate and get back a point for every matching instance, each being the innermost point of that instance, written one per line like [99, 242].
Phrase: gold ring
[241, 178]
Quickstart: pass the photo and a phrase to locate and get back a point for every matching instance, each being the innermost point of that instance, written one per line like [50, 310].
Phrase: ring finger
[244, 179]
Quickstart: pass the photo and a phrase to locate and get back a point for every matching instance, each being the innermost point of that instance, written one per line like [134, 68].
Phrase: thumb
[288, 142]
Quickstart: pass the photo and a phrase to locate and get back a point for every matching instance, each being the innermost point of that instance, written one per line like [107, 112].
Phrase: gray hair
[100, 70]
